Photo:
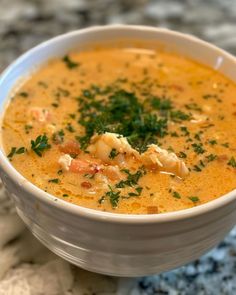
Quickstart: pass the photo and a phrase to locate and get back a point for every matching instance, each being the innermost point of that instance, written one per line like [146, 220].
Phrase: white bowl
[109, 243]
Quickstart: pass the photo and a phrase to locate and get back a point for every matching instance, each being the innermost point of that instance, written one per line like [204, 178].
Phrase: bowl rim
[98, 215]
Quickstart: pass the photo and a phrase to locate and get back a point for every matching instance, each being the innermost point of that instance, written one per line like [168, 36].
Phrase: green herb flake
[178, 116]
[70, 128]
[28, 128]
[101, 200]
[197, 168]
[212, 142]
[194, 199]
[211, 157]
[54, 180]
[61, 92]
[193, 106]
[72, 116]
[198, 136]
[43, 84]
[232, 162]
[135, 194]
[132, 179]
[182, 155]
[185, 130]
[201, 163]
[174, 134]
[162, 104]
[24, 94]
[215, 96]
[40, 144]
[60, 172]
[17, 151]
[89, 175]
[55, 104]
[113, 196]
[65, 195]
[69, 63]
[176, 195]
[113, 153]
[198, 148]
[226, 145]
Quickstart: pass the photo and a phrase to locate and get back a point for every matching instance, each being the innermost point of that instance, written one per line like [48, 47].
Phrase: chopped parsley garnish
[113, 196]
[132, 179]
[194, 199]
[198, 135]
[193, 106]
[197, 168]
[226, 145]
[89, 176]
[184, 130]
[24, 94]
[60, 172]
[65, 195]
[16, 151]
[113, 153]
[61, 92]
[70, 63]
[121, 113]
[211, 157]
[40, 144]
[178, 116]
[70, 128]
[182, 155]
[212, 142]
[201, 163]
[232, 162]
[43, 84]
[174, 134]
[28, 128]
[162, 104]
[55, 104]
[198, 148]
[72, 116]
[207, 96]
[176, 195]
[54, 180]
[137, 193]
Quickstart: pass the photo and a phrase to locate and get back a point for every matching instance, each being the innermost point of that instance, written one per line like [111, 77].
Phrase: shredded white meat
[102, 145]
[154, 157]
[65, 161]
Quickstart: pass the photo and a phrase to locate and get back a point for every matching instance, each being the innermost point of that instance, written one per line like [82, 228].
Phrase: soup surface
[125, 130]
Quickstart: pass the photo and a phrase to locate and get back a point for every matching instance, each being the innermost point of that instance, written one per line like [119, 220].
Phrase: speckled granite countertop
[27, 267]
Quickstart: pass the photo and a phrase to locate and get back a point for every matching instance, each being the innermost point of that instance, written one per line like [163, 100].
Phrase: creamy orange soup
[125, 130]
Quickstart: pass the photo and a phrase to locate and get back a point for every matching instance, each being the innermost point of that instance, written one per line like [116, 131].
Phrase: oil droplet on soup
[125, 130]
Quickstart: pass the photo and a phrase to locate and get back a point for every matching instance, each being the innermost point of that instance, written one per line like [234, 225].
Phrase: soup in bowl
[126, 135]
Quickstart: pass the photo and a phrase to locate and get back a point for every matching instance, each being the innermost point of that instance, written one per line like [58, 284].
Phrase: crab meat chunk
[102, 146]
[157, 158]
[65, 162]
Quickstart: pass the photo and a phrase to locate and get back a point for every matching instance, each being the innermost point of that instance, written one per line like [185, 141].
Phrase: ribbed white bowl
[121, 245]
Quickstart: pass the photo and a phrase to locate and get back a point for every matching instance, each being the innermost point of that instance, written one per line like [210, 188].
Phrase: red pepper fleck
[86, 184]
[177, 87]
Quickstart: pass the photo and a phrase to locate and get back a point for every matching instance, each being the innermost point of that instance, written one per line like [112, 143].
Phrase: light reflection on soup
[125, 130]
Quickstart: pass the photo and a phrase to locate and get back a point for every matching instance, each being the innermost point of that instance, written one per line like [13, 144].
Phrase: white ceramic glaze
[121, 245]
